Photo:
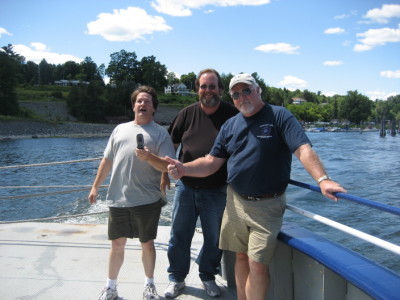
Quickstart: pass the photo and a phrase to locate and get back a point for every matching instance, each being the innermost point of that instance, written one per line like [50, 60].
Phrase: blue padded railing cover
[370, 277]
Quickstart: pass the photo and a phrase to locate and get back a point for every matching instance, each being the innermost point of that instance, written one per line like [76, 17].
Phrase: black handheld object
[140, 141]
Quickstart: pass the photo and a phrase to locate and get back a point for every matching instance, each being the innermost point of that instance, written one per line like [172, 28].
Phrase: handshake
[175, 168]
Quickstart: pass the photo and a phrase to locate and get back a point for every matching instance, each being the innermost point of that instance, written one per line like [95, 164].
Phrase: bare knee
[258, 268]
[241, 257]
[148, 246]
[118, 244]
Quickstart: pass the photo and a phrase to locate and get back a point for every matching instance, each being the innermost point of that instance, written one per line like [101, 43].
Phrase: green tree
[86, 102]
[382, 111]
[118, 99]
[171, 78]
[71, 70]
[30, 72]
[189, 80]
[326, 112]
[89, 70]
[355, 107]
[153, 73]
[395, 107]
[277, 97]
[310, 96]
[123, 67]
[46, 73]
[8, 97]
[307, 112]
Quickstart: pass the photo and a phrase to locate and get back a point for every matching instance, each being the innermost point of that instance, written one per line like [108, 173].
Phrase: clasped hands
[175, 168]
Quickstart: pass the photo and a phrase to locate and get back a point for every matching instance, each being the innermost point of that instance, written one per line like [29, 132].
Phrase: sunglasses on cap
[244, 92]
[210, 87]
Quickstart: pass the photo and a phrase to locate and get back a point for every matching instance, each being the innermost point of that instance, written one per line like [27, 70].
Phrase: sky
[330, 46]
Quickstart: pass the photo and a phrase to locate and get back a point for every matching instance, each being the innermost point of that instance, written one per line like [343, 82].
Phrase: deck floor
[69, 261]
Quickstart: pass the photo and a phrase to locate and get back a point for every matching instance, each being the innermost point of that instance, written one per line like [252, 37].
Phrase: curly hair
[145, 89]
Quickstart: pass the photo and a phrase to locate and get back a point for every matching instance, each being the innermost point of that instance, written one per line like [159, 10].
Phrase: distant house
[298, 101]
[178, 88]
[65, 82]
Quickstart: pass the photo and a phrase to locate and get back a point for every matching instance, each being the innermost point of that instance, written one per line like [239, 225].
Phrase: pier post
[382, 132]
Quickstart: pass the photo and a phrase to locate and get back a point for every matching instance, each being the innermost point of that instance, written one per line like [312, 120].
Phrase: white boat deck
[69, 261]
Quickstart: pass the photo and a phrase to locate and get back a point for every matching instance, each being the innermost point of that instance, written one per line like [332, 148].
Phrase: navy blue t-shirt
[259, 150]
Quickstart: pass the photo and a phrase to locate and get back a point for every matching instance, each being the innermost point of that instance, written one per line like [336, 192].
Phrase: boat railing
[77, 188]
[285, 236]
[357, 233]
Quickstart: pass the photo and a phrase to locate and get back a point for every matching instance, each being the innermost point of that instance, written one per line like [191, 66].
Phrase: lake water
[366, 164]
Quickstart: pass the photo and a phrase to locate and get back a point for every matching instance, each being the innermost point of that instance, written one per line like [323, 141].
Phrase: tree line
[93, 100]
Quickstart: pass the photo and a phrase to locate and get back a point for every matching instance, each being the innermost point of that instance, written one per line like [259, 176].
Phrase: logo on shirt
[265, 131]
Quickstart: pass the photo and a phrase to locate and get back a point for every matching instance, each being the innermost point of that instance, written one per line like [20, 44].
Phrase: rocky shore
[34, 129]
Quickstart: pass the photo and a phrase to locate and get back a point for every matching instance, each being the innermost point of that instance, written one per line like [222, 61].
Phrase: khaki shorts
[252, 227]
[134, 222]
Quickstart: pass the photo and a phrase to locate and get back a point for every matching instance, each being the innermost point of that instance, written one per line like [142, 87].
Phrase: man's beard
[212, 102]
[246, 108]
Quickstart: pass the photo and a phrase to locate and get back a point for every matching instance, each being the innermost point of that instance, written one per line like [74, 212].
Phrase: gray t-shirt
[134, 182]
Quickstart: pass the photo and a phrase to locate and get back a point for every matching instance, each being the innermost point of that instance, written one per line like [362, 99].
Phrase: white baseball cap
[242, 78]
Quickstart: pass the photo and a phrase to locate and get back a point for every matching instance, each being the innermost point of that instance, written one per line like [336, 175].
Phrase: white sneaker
[150, 292]
[212, 288]
[173, 289]
[108, 294]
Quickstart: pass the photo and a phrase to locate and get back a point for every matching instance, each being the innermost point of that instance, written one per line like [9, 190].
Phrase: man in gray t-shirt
[136, 187]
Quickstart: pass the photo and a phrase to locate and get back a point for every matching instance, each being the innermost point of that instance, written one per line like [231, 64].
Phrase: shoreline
[27, 129]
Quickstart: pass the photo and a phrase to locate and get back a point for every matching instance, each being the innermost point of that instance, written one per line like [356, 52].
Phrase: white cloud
[329, 94]
[38, 51]
[390, 74]
[183, 8]
[383, 14]
[345, 16]
[336, 30]
[377, 37]
[381, 95]
[128, 24]
[278, 48]
[39, 46]
[292, 83]
[4, 31]
[333, 63]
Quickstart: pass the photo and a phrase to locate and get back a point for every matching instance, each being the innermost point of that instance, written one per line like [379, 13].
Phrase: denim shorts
[134, 222]
[252, 227]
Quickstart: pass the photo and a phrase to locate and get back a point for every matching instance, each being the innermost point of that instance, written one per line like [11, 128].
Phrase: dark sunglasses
[244, 92]
[210, 87]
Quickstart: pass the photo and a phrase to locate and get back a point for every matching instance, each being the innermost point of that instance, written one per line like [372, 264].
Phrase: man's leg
[242, 271]
[148, 258]
[211, 204]
[258, 281]
[116, 257]
[184, 217]
[252, 278]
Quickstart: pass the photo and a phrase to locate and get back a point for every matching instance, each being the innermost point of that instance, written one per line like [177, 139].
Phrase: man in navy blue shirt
[257, 145]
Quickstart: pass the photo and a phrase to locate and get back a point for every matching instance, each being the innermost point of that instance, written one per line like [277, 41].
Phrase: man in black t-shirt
[194, 130]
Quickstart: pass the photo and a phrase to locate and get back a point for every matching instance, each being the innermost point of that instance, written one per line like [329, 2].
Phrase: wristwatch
[322, 178]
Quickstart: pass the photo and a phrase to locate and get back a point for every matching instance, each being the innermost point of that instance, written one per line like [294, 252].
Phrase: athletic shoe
[108, 294]
[173, 289]
[150, 292]
[212, 288]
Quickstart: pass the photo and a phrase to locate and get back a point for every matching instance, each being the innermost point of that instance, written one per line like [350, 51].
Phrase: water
[365, 164]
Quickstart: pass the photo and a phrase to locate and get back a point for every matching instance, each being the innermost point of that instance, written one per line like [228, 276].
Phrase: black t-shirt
[196, 132]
